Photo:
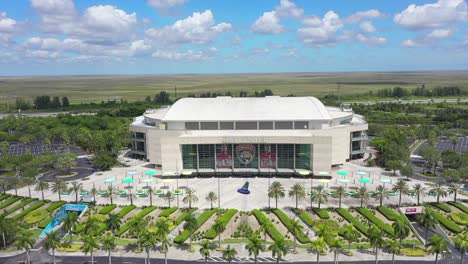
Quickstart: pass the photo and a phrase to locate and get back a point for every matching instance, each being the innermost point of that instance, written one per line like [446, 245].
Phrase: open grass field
[136, 87]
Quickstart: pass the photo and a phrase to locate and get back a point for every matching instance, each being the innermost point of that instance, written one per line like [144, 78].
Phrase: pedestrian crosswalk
[246, 259]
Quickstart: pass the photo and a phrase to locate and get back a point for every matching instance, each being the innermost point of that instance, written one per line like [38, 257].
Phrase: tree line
[400, 92]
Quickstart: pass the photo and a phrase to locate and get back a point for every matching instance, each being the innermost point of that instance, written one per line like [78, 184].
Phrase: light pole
[269, 176]
[219, 193]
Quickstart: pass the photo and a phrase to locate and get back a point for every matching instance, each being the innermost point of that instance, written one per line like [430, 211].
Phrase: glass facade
[254, 156]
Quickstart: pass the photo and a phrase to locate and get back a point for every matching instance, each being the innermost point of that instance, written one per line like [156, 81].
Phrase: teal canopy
[127, 180]
[109, 180]
[342, 172]
[362, 173]
[148, 180]
[365, 180]
[131, 173]
[150, 173]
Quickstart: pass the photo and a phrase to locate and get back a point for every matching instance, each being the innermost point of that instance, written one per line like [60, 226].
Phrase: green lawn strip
[442, 207]
[460, 206]
[55, 205]
[375, 220]
[107, 209]
[4, 196]
[36, 232]
[459, 217]
[224, 219]
[322, 213]
[43, 224]
[126, 210]
[182, 217]
[389, 213]
[305, 217]
[19, 206]
[301, 237]
[167, 212]
[140, 215]
[270, 228]
[361, 227]
[124, 242]
[10, 201]
[28, 210]
[447, 223]
[200, 221]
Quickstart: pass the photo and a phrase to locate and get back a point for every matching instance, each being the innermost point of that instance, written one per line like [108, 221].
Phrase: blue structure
[244, 189]
[62, 213]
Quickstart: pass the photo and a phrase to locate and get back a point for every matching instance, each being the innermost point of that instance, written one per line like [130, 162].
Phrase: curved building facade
[253, 135]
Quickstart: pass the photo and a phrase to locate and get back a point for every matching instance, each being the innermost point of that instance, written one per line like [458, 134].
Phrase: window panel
[284, 125]
[303, 156]
[191, 126]
[226, 125]
[265, 125]
[209, 125]
[246, 125]
[189, 156]
[301, 125]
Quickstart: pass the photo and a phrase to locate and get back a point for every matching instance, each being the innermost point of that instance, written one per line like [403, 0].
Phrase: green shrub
[375, 220]
[389, 213]
[99, 217]
[167, 212]
[27, 211]
[442, 207]
[44, 222]
[361, 227]
[225, 218]
[54, 206]
[19, 206]
[107, 209]
[4, 196]
[9, 202]
[271, 230]
[305, 217]
[126, 210]
[140, 215]
[413, 252]
[322, 213]
[36, 216]
[184, 215]
[459, 218]
[200, 221]
[447, 223]
[301, 237]
[460, 206]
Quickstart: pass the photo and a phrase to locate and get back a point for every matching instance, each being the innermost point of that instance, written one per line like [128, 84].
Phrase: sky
[88, 37]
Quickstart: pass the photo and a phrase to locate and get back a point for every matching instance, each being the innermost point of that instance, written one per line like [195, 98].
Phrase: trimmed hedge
[44, 222]
[301, 237]
[442, 207]
[322, 213]
[36, 216]
[27, 211]
[447, 223]
[54, 206]
[4, 196]
[140, 215]
[167, 212]
[460, 206]
[200, 221]
[182, 216]
[126, 210]
[305, 217]
[107, 209]
[225, 218]
[271, 230]
[459, 218]
[9, 202]
[19, 206]
[361, 227]
[389, 213]
[375, 220]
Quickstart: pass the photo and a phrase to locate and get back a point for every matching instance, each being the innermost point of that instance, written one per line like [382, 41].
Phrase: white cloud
[410, 43]
[440, 33]
[359, 16]
[320, 31]
[199, 28]
[260, 51]
[189, 55]
[268, 23]
[288, 9]
[7, 25]
[367, 27]
[439, 14]
[371, 40]
[166, 4]
[43, 43]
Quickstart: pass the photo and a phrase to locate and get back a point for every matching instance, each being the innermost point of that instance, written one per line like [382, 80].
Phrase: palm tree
[211, 197]
[165, 244]
[319, 196]
[136, 227]
[419, 190]
[439, 190]
[393, 247]
[219, 227]
[5, 226]
[190, 197]
[205, 249]
[264, 227]
[229, 253]
[15, 183]
[41, 186]
[162, 227]
[350, 235]
[400, 187]
[108, 243]
[296, 226]
[147, 240]
[278, 249]
[169, 197]
[111, 192]
[276, 191]
[94, 191]
[401, 229]
[254, 245]
[376, 240]
[58, 187]
[318, 246]
[76, 188]
[91, 226]
[298, 192]
[453, 189]
[28, 182]
[25, 240]
[113, 222]
[428, 221]
[52, 242]
[191, 225]
[341, 192]
[69, 224]
[363, 194]
[454, 141]
[90, 244]
[437, 245]
[461, 242]
[335, 245]
[381, 194]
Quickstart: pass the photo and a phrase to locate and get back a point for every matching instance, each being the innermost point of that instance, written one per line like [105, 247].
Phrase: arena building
[248, 135]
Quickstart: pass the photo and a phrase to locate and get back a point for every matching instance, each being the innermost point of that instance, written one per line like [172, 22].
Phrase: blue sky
[64, 37]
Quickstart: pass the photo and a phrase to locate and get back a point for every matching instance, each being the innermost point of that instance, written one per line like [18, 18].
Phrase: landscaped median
[27, 211]
[375, 220]
[10, 201]
[389, 213]
[167, 212]
[305, 217]
[271, 230]
[447, 223]
[19, 206]
[140, 215]
[361, 227]
[54, 206]
[301, 237]
[182, 216]
[322, 213]
[442, 207]
[459, 217]
[127, 209]
[200, 221]
[107, 209]
[4, 196]
[460, 206]
[224, 219]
